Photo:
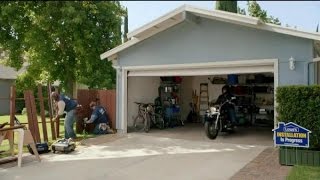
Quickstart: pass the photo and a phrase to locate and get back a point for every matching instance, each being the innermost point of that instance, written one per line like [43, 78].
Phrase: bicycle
[143, 117]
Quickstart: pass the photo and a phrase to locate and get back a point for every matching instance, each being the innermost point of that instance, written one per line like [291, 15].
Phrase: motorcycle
[217, 119]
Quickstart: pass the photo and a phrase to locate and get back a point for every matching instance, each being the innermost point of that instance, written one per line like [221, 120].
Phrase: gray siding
[212, 41]
[218, 41]
[5, 93]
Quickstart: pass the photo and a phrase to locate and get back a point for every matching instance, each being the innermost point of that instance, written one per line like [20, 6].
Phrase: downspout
[313, 61]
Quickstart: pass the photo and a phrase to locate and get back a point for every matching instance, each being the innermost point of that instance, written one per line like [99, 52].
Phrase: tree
[125, 38]
[62, 39]
[255, 10]
[317, 30]
[241, 11]
[230, 6]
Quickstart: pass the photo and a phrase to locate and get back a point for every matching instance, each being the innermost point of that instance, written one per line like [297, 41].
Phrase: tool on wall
[204, 99]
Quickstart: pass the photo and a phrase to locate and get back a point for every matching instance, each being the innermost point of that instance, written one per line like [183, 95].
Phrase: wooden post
[12, 104]
[42, 113]
[53, 133]
[12, 116]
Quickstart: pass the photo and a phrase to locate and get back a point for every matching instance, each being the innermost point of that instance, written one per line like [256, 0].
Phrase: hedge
[301, 105]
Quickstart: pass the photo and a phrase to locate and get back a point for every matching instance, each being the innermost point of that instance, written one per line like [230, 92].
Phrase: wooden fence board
[35, 118]
[42, 113]
[29, 113]
[53, 134]
[107, 99]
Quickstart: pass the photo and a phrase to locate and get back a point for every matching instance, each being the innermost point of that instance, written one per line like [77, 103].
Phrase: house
[7, 77]
[198, 44]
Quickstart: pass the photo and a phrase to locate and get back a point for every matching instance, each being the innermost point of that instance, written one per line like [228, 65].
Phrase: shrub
[301, 105]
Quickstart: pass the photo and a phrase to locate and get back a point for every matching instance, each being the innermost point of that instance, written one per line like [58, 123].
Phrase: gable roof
[7, 72]
[179, 15]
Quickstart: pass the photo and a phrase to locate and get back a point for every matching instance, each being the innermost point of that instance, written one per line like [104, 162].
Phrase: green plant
[62, 40]
[301, 104]
[304, 173]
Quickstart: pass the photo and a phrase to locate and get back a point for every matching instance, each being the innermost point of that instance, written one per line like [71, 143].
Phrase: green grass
[23, 119]
[304, 173]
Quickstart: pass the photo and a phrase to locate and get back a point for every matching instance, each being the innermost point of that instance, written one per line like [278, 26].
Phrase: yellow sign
[291, 135]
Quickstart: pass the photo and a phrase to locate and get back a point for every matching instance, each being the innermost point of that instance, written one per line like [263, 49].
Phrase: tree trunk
[69, 87]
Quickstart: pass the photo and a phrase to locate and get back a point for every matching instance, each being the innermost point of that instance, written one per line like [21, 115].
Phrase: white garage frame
[196, 69]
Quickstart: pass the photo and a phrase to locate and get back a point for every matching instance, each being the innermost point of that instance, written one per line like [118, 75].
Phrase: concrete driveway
[140, 156]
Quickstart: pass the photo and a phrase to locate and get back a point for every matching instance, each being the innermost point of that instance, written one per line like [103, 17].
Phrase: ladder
[204, 99]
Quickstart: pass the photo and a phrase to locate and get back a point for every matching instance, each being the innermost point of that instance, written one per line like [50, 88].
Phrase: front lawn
[304, 173]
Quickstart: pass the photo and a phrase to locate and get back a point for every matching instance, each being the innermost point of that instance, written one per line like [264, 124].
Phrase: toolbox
[41, 148]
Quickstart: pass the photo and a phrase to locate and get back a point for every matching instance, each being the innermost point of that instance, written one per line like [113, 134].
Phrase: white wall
[141, 89]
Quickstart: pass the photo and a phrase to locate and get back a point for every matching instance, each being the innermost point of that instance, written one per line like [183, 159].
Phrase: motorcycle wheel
[210, 130]
[147, 123]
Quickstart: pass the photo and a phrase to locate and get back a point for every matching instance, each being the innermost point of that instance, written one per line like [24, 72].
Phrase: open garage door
[218, 68]
[203, 71]
[192, 69]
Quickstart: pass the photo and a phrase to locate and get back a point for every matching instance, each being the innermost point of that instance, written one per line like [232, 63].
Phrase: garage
[199, 46]
[145, 84]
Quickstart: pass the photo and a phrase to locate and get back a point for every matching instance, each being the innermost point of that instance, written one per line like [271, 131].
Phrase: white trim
[112, 54]
[275, 86]
[223, 70]
[171, 16]
[201, 65]
[124, 101]
[119, 48]
[178, 15]
[124, 88]
[223, 16]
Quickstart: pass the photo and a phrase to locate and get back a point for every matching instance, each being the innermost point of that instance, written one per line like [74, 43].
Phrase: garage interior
[186, 99]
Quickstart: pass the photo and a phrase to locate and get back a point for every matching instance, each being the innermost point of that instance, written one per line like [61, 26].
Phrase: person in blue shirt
[65, 104]
[100, 119]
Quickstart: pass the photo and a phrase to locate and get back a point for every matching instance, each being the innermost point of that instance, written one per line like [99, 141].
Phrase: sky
[305, 15]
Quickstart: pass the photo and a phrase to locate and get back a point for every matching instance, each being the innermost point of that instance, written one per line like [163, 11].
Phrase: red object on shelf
[178, 79]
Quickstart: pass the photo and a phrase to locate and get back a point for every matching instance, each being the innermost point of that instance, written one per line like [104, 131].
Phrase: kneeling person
[99, 118]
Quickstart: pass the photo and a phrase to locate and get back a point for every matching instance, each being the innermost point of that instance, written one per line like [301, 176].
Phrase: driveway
[139, 156]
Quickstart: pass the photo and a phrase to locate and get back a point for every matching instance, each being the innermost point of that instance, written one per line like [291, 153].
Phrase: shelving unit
[251, 109]
[267, 107]
[170, 96]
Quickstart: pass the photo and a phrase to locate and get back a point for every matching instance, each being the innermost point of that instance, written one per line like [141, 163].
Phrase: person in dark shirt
[100, 119]
[64, 104]
[227, 95]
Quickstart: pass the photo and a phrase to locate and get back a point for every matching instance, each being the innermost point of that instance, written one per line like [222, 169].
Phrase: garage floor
[195, 131]
[141, 156]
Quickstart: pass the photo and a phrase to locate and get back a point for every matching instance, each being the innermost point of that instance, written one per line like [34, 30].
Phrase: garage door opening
[181, 95]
